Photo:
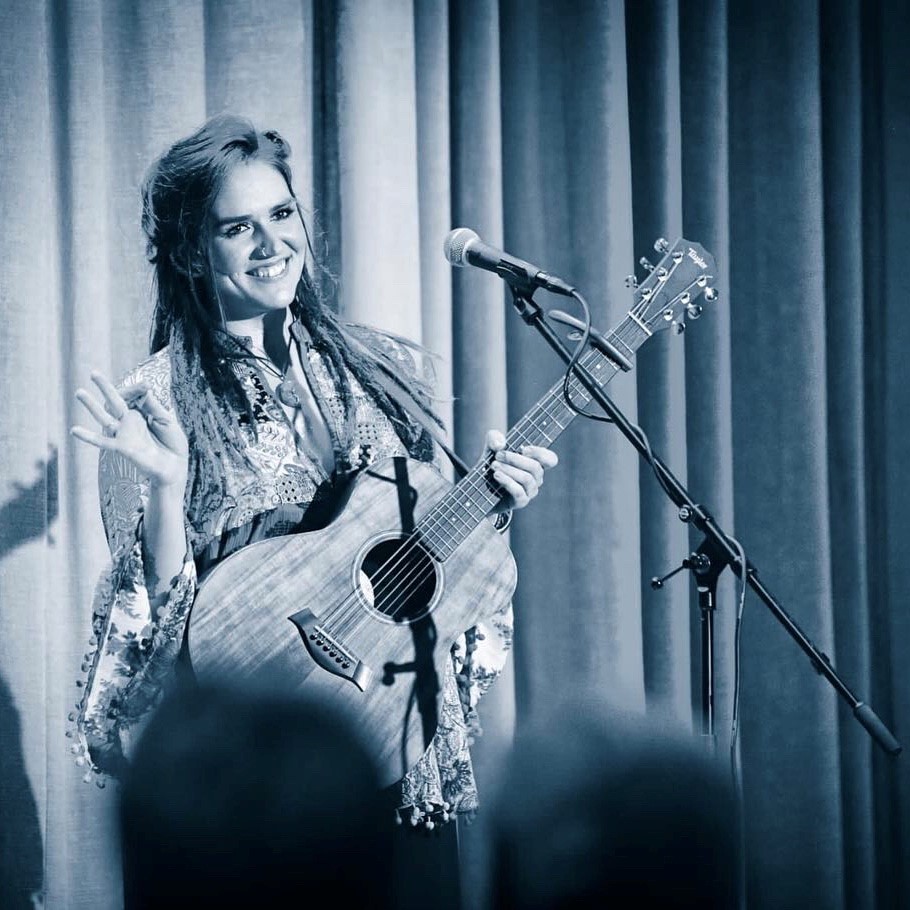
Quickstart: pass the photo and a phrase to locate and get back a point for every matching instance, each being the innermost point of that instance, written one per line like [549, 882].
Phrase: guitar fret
[452, 520]
[615, 338]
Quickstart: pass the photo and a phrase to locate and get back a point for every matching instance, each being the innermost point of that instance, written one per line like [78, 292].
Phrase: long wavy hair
[178, 195]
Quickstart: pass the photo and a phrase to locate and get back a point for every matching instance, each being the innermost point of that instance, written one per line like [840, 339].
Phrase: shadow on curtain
[21, 847]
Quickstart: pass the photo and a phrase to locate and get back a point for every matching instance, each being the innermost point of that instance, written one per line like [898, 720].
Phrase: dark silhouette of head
[596, 808]
[255, 800]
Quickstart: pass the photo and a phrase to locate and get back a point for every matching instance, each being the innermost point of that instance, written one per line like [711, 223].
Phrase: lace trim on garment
[136, 648]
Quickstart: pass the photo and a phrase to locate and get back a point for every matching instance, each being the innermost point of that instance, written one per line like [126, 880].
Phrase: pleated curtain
[572, 134]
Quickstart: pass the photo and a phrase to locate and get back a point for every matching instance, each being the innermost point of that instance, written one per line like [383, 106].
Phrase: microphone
[463, 247]
[597, 339]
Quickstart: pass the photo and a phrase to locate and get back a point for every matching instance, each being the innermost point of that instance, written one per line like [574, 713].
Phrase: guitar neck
[456, 515]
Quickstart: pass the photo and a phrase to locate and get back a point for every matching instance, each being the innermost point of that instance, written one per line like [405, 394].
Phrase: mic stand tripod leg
[706, 604]
[706, 564]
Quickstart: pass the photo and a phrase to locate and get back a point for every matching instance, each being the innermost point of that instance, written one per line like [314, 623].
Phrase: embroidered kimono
[134, 649]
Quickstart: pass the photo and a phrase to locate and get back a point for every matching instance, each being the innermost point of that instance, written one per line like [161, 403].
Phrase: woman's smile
[272, 271]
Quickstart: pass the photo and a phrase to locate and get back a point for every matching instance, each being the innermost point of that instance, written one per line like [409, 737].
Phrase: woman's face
[257, 243]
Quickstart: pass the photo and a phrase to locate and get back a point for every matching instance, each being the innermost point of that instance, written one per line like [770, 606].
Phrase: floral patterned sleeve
[132, 647]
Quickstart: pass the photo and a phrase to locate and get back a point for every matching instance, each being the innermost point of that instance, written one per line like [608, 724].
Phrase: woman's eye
[235, 229]
[281, 214]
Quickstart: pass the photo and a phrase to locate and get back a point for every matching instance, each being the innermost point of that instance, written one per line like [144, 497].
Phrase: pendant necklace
[287, 390]
[290, 393]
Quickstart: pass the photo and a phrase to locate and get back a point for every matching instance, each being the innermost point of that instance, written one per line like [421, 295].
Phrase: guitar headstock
[669, 293]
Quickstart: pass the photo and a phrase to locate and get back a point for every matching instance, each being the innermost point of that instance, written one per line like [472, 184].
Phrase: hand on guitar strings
[520, 473]
[135, 424]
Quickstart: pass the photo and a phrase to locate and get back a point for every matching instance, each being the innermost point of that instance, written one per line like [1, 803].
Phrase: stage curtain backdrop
[775, 133]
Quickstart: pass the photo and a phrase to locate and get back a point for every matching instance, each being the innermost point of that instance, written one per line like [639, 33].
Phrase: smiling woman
[251, 419]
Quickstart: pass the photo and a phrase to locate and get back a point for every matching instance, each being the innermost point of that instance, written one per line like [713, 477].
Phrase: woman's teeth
[272, 271]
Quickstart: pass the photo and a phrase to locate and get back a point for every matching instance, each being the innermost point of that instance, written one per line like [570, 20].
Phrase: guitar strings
[432, 534]
[389, 573]
[399, 575]
[348, 612]
[477, 481]
[417, 578]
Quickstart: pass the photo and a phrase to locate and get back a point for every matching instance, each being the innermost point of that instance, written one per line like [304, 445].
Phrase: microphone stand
[715, 552]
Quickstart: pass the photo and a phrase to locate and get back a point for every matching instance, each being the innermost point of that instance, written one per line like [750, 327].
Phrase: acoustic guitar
[363, 613]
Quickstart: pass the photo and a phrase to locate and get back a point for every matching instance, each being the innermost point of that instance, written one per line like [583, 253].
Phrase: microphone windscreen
[455, 245]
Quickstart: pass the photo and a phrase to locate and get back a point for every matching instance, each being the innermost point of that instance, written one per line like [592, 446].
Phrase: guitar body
[360, 614]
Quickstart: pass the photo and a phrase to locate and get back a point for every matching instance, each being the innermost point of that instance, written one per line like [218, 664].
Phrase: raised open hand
[135, 424]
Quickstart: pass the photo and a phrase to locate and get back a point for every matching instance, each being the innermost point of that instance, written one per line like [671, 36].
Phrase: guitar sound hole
[398, 579]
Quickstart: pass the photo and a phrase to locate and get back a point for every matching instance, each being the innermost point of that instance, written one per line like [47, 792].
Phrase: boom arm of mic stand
[532, 314]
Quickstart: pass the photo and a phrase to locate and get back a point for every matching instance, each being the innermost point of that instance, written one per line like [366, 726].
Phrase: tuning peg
[646, 264]
[679, 327]
[710, 294]
[661, 245]
[631, 281]
[693, 310]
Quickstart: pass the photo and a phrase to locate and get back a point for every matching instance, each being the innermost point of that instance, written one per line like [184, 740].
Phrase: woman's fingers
[531, 460]
[92, 438]
[135, 424]
[161, 422]
[149, 404]
[96, 409]
[512, 486]
[545, 457]
[519, 473]
[118, 407]
[496, 440]
[150, 407]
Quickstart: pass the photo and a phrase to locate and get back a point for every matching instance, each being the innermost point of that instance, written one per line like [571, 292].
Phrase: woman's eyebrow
[221, 222]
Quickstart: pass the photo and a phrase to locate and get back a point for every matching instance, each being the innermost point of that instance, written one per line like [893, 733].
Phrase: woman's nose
[268, 244]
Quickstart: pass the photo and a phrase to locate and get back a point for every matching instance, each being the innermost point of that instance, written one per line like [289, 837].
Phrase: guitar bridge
[329, 653]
